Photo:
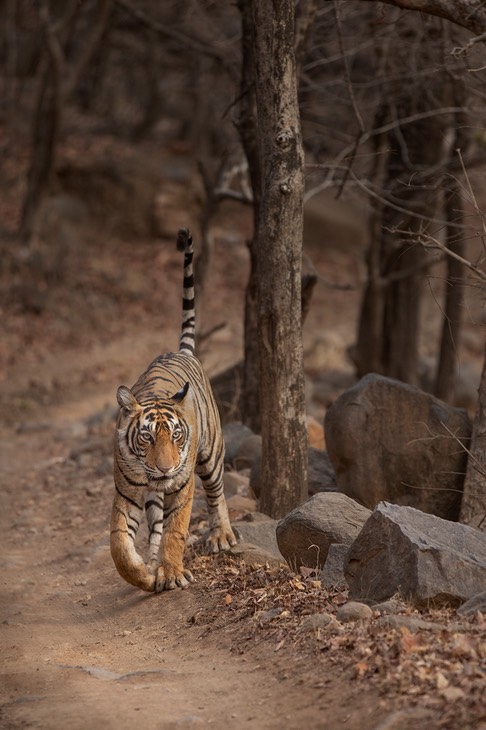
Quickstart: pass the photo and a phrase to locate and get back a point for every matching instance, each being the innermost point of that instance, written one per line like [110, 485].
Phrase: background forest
[101, 99]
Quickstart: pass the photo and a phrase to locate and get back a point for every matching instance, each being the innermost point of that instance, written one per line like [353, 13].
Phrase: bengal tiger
[168, 428]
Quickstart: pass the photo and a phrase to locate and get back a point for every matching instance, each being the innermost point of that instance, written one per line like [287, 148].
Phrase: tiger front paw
[169, 578]
[220, 539]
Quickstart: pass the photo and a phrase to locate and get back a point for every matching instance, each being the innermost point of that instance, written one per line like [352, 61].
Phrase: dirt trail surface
[82, 649]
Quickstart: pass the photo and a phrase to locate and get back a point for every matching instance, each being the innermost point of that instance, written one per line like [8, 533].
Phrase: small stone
[354, 611]
[318, 621]
[391, 606]
[265, 617]
[412, 623]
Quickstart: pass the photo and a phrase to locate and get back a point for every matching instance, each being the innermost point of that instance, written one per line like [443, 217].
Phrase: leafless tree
[279, 257]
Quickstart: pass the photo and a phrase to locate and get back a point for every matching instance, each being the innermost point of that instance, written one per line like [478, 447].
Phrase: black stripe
[130, 501]
[152, 503]
[187, 304]
[189, 281]
[157, 522]
[131, 482]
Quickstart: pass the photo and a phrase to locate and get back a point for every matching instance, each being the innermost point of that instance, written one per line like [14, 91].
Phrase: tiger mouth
[160, 475]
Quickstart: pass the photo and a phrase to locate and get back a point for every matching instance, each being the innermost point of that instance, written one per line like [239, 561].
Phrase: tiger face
[155, 433]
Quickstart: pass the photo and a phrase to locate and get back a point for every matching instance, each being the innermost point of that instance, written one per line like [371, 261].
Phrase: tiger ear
[181, 394]
[127, 400]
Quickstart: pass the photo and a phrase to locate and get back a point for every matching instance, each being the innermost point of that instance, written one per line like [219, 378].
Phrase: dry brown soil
[79, 647]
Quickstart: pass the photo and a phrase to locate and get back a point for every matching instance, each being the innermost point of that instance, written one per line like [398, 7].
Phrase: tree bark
[279, 232]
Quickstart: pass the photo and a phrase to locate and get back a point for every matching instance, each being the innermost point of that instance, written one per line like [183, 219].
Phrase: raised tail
[188, 328]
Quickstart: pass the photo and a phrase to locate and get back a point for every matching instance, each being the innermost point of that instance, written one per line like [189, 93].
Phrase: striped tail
[188, 329]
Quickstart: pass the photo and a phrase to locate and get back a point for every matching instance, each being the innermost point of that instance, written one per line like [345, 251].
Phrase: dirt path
[81, 649]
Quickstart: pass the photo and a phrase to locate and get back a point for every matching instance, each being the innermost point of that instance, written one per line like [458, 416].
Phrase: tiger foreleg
[177, 514]
[154, 509]
[126, 515]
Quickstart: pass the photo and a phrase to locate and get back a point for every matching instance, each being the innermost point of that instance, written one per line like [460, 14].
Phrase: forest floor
[82, 649]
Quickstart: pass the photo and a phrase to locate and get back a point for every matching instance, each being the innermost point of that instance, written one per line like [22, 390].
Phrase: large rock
[427, 560]
[391, 441]
[261, 533]
[305, 534]
[320, 476]
[234, 434]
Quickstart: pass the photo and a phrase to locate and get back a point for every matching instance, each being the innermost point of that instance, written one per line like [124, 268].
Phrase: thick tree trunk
[279, 231]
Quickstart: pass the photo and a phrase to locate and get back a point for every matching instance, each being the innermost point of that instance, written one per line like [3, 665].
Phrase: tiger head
[154, 431]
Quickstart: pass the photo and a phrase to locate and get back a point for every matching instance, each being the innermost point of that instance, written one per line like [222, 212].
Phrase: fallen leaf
[298, 584]
[441, 681]
[451, 694]
[361, 669]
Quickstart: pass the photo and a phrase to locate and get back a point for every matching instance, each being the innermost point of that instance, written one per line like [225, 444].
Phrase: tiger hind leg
[221, 536]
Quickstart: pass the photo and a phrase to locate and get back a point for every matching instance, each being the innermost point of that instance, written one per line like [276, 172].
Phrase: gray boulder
[260, 533]
[234, 434]
[321, 476]
[473, 605]
[332, 574]
[305, 534]
[248, 452]
[254, 555]
[389, 441]
[427, 560]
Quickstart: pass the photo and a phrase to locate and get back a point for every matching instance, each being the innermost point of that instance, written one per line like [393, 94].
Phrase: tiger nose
[165, 467]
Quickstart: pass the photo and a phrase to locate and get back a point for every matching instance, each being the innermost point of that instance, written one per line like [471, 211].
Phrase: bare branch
[428, 241]
[98, 28]
[185, 40]
[469, 14]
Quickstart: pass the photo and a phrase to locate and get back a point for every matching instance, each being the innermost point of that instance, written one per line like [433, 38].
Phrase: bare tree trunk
[44, 137]
[451, 327]
[280, 226]
[248, 130]
[397, 265]
[473, 507]
[55, 86]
